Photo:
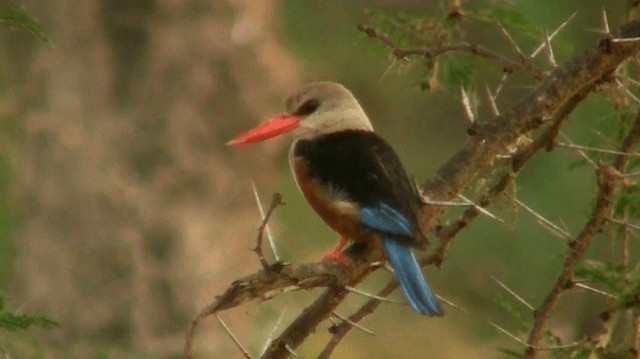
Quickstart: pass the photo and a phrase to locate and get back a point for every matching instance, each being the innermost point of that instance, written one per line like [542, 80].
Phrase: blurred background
[124, 213]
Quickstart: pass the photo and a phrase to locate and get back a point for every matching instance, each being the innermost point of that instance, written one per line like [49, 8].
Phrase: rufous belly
[330, 204]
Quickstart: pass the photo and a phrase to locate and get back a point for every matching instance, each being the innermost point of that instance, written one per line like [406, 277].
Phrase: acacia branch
[570, 82]
[609, 178]
[506, 64]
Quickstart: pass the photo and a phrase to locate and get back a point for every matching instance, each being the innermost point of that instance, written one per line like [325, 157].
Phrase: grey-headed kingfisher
[353, 179]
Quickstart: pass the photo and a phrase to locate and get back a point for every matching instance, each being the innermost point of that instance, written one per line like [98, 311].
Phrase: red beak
[272, 127]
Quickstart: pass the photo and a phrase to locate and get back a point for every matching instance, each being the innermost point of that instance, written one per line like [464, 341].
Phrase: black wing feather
[365, 167]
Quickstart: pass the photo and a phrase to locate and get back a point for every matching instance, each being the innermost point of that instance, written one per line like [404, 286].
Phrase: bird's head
[316, 109]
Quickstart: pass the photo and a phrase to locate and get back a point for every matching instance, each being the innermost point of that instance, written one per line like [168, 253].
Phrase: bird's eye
[307, 108]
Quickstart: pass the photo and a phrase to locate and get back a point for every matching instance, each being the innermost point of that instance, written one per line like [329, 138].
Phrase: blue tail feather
[410, 277]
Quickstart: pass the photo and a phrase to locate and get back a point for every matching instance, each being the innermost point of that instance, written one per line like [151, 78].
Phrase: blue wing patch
[385, 219]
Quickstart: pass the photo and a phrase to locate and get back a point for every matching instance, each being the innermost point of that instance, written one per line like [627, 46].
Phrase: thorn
[595, 149]
[451, 304]
[598, 291]
[466, 105]
[625, 223]
[628, 39]
[288, 347]
[504, 331]
[553, 35]
[233, 337]
[514, 294]
[271, 334]
[554, 228]
[549, 50]
[482, 209]
[500, 85]
[267, 230]
[354, 324]
[633, 97]
[386, 71]
[580, 152]
[466, 203]
[492, 101]
[605, 22]
[371, 296]
[514, 45]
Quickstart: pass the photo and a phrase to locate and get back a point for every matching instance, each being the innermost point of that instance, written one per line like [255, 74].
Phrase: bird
[353, 179]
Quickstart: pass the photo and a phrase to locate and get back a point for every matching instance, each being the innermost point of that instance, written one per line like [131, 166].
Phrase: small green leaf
[15, 17]
[459, 70]
[513, 19]
[510, 352]
[14, 321]
[508, 305]
[611, 275]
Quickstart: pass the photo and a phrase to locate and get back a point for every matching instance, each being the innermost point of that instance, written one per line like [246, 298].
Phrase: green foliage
[14, 17]
[14, 321]
[609, 274]
[459, 70]
[510, 307]
[510, 352]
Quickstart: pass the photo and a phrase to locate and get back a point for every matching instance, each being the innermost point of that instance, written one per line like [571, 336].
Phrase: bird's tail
[410, 277]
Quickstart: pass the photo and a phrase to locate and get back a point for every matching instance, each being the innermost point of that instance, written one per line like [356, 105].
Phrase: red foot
[336, 253]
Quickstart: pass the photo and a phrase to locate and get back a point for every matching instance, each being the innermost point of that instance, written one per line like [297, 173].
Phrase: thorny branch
[546, 105]
[609, 178]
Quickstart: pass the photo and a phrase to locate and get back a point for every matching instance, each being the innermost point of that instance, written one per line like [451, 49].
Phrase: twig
[506, 64]
[275, 202]
[266, 227]
[234, 338]
[343, 329]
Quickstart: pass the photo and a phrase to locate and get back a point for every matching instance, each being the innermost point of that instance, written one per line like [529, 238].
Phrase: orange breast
[330, 204]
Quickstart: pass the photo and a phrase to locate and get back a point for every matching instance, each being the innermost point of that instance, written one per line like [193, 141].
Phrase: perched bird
[353, 179]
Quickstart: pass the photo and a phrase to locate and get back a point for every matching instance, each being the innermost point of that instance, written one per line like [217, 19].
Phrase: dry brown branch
[548, 104]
